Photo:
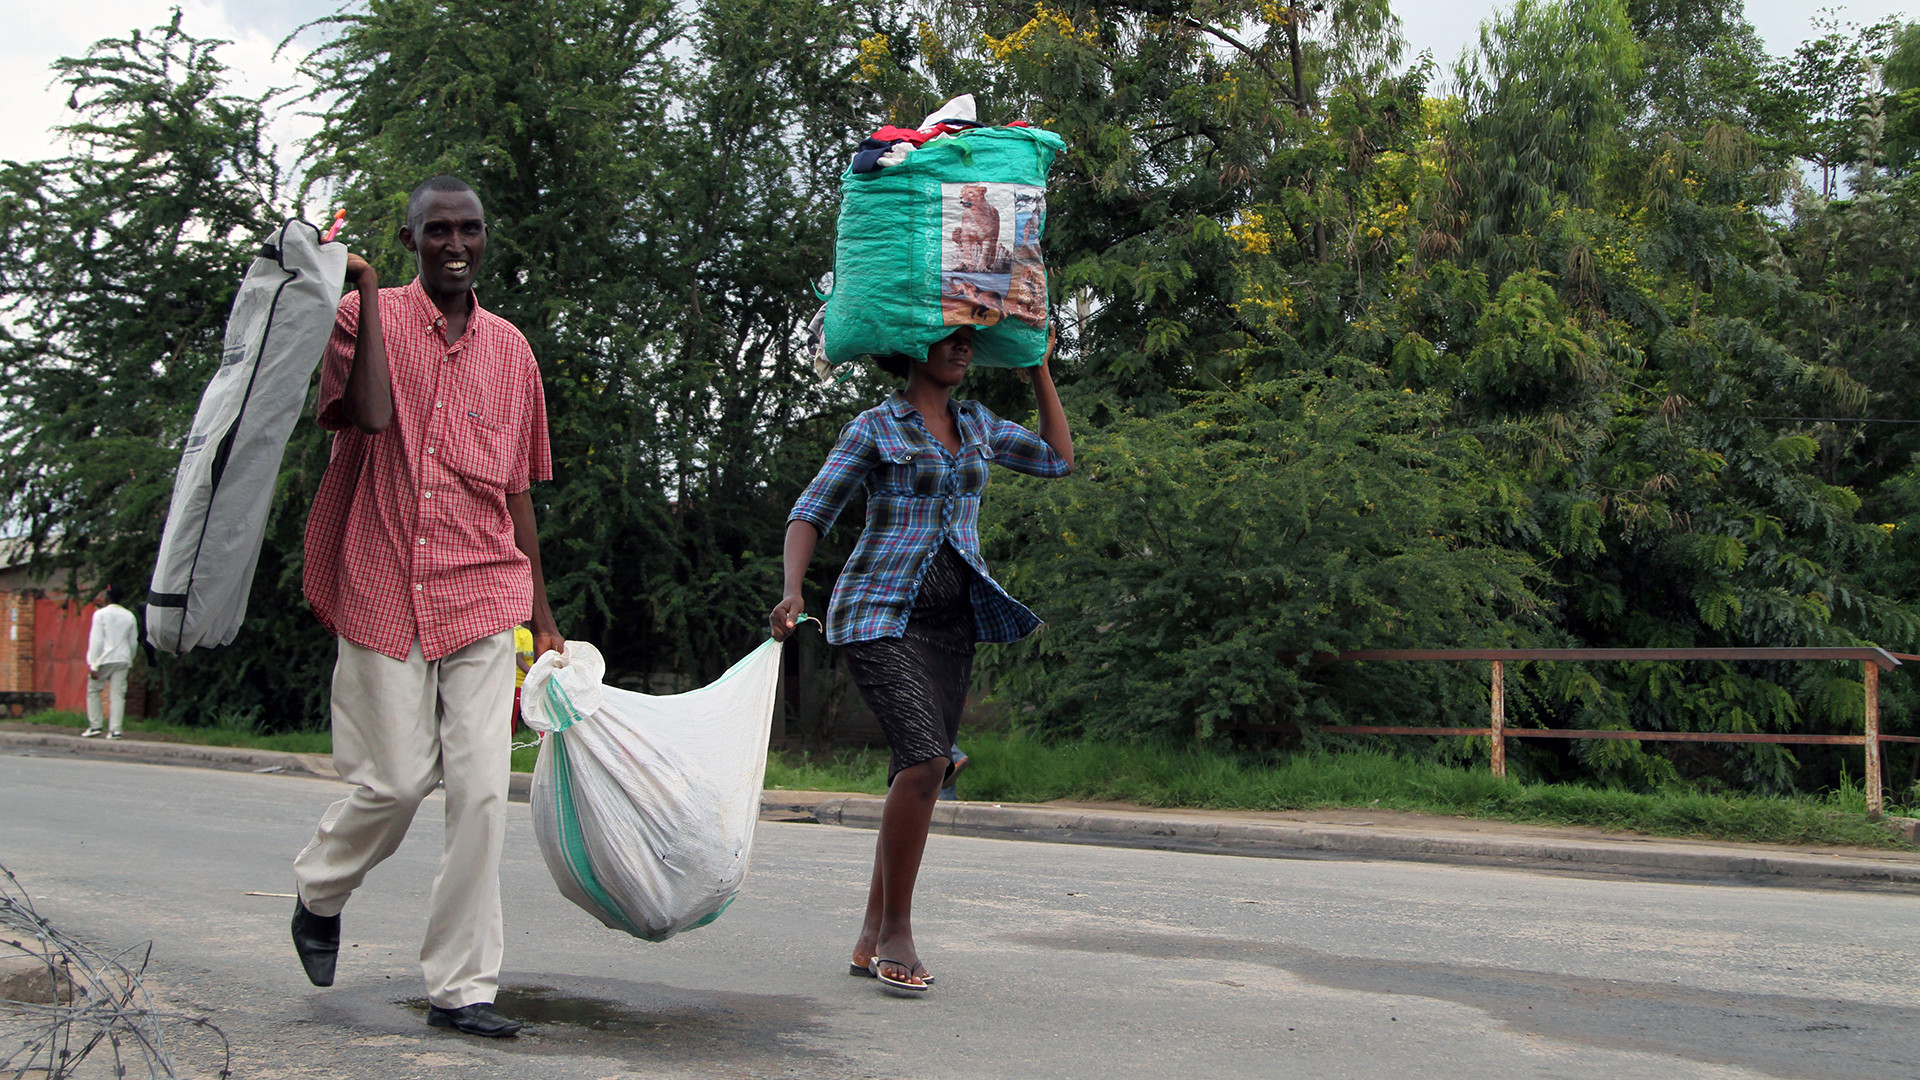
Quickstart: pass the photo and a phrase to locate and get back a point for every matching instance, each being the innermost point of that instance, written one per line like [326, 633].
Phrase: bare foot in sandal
[904, 978]
[861, 964]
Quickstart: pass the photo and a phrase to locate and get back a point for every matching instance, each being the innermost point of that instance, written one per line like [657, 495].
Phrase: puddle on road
[540, 1005]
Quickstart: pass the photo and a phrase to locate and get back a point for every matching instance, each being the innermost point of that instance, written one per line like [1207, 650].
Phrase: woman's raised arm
[1053, 419]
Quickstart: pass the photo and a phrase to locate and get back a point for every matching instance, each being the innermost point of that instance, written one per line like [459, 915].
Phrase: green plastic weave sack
[949, 237]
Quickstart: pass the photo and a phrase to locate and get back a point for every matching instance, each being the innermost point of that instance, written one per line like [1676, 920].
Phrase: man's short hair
[427, 188]
[114, 594]
[897, 365]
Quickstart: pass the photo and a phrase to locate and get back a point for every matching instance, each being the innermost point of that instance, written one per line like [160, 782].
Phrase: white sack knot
[575, 673]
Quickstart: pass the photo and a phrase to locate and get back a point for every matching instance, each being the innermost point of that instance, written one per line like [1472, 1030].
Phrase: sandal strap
[912, 969]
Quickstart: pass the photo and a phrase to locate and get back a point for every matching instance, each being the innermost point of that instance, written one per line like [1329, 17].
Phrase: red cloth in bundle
[919, 138]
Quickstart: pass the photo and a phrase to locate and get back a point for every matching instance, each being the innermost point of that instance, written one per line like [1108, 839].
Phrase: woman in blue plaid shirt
[915, 597]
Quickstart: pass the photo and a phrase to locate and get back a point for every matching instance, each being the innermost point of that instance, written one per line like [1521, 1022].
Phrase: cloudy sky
[39, 33]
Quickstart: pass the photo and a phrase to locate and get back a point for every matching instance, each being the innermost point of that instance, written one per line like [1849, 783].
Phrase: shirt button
[416, 587]
[436, 404]
[428, 495]
[422, 541]
[429, 449]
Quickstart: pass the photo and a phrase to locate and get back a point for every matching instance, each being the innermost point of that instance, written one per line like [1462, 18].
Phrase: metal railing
[1872, 662]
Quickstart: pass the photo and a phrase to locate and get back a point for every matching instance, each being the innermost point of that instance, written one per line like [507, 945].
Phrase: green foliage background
[1601, 334]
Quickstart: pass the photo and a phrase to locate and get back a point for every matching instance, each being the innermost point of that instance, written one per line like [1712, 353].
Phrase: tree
[1899, 137]
[1701, 64]
[1197, 564]
[1813, 100]
[1544, 93]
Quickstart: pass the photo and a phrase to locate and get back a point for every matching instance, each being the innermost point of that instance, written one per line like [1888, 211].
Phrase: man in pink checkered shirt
[421, 557]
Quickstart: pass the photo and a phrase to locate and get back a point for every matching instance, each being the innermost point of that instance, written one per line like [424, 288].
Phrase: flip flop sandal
[867, 973]
[897, 987]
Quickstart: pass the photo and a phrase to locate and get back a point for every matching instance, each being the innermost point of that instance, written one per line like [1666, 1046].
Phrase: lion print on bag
[990, 264]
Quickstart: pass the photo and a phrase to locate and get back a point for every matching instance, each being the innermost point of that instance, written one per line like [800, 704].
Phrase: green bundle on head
[949, 237]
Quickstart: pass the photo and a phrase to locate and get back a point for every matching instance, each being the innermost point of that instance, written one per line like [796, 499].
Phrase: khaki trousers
[113, 679]
[399, 728]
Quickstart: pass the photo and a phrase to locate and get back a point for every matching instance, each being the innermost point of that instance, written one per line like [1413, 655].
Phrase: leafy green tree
[1893, 118]
[1814, 100]
[1671, 511]
[1593, 301]
[1196, 564]
[1701, 64]
[1545, 92]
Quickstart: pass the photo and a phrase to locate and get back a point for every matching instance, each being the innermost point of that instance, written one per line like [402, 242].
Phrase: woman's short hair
[895, 364]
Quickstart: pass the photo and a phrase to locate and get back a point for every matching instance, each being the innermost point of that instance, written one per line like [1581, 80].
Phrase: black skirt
[917, 685]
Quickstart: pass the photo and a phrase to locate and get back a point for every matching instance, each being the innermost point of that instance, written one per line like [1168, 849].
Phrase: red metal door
[60, 651]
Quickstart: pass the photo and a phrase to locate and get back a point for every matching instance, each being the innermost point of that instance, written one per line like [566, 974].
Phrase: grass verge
[860, 771]
[294, 742]
[1014, 768]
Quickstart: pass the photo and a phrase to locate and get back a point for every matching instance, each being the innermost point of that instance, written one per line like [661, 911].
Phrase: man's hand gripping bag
[950, 237]
[644, 806]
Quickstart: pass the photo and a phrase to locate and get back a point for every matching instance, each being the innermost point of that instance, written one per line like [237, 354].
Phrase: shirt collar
[423, 306]
[898, 405]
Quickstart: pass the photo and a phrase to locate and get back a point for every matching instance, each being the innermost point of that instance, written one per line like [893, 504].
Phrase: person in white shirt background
[111, 639]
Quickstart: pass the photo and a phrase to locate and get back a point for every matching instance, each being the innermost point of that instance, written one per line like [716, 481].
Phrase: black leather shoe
[317, 939]
[477, 1019]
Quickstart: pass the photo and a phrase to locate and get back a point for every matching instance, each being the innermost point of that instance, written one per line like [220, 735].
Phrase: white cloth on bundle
[644, 806]
[960, 108]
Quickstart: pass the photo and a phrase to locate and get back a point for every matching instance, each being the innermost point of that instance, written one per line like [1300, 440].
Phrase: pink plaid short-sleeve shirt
[409, 537]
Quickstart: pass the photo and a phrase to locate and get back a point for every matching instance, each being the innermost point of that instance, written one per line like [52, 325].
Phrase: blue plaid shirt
[919, 494]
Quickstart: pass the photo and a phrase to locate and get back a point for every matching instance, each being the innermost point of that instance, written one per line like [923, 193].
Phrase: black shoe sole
[319, 978]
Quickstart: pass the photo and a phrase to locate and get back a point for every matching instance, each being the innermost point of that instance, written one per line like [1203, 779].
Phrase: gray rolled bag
[223, 490]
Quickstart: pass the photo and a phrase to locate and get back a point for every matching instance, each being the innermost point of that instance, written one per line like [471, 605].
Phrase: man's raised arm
[368, 401]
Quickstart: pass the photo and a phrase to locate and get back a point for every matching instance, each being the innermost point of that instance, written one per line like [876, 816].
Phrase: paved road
[1054, 960]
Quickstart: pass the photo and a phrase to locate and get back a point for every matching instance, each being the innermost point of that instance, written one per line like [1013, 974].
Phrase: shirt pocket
[898, 473]
[483, 451]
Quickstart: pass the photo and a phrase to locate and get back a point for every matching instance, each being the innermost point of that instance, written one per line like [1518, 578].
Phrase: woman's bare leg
[888, 928]
[870, 926]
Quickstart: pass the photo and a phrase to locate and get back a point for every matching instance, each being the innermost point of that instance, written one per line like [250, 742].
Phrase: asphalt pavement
[1054, 960]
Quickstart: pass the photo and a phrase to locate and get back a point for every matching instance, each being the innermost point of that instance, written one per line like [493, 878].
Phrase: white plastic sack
[644, 806]
[223, 490]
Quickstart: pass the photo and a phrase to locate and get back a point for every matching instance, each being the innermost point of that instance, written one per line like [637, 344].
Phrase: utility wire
[1837, 419]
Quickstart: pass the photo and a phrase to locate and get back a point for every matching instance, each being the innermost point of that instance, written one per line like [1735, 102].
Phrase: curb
[229, 758]
[1260, 839]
